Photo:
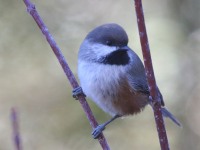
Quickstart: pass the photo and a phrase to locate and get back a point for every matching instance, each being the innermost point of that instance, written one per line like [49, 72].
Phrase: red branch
[32, 10]
[150, 76]
[15, 126]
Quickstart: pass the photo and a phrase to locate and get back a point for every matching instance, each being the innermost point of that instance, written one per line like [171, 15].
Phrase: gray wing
[137, 77]
[136, 74]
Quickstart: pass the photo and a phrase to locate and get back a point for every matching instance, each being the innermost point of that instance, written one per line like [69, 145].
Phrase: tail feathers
[167, 114]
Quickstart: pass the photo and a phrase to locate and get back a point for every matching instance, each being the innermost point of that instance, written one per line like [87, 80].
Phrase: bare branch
[16, 132]
[150, 76]
[32, 10]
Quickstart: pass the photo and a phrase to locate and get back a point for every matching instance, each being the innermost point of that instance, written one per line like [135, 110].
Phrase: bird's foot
[151, 102]
[98, 130]
[76, 92]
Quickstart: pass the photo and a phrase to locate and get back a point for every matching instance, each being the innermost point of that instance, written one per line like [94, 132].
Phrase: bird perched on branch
[112, 75]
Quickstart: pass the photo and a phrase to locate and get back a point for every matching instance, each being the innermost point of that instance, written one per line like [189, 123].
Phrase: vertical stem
[15, 126]
[150, 76]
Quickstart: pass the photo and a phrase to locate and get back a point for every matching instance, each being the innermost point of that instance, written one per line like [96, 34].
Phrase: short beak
[123, 48]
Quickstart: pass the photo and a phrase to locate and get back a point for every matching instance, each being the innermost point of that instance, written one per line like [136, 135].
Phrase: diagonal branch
[33, 12]
[150, 76]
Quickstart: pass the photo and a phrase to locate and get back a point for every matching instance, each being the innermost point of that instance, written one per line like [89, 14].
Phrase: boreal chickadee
[112, 75]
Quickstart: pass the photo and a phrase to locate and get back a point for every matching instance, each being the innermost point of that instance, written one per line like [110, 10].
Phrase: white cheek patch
[102, 50]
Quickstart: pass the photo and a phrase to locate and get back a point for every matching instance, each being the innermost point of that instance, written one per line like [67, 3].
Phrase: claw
[77, 92]
[98, 130]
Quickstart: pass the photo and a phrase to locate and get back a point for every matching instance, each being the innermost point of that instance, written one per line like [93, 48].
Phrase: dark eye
[109, 43]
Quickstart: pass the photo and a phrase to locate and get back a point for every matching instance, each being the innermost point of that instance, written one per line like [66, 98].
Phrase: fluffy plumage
[110, 73]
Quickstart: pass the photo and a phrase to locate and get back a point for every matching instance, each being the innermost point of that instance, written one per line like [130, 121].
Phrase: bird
[112, 75]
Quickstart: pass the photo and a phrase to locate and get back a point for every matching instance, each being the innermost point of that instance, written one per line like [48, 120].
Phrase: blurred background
[32, 81]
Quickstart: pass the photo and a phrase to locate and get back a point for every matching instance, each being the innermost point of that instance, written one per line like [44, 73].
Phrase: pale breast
[104, 85]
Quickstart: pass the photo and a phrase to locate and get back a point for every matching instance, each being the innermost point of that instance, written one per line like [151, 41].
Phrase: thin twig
[32, 10]
[16, 132]
[150, 76]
